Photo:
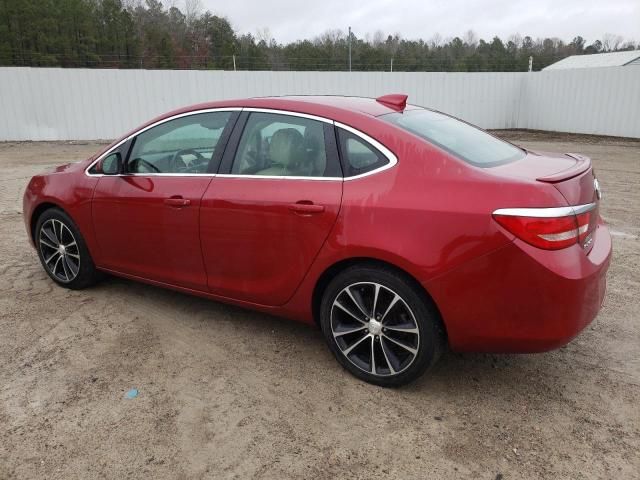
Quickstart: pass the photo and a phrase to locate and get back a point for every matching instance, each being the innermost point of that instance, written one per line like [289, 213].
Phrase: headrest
[287, 146]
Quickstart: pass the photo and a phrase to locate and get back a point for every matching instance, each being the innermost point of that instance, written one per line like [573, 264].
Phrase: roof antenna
[397, 101]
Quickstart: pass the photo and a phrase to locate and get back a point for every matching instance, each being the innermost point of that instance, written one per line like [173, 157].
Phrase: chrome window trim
[152, 175]
[393, 160]
[279, 177]
[546, 212]
[160, 175]
[144, 129]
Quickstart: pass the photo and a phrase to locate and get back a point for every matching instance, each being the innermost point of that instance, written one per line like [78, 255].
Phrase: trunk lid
[570, 173]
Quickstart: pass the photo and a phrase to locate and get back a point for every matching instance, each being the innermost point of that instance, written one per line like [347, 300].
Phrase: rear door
[146, 217]
[267, 213]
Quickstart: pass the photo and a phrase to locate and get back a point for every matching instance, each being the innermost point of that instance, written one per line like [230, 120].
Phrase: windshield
[461, 139]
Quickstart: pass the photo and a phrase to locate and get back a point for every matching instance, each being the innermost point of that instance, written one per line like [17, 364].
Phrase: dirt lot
[226, 393]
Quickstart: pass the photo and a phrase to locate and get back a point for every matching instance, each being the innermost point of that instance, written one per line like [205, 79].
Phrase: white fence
[87, 104]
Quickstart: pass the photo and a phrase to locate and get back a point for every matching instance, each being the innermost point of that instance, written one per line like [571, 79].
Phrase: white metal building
[613, 59]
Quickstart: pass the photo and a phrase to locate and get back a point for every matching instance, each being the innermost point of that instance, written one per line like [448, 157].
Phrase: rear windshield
[461, 139]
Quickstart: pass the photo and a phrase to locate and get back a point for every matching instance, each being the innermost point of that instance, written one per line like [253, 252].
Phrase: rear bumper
[521, 299]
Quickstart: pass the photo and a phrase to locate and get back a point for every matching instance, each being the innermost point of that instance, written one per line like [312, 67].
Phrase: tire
[402, 313]
[71, 265]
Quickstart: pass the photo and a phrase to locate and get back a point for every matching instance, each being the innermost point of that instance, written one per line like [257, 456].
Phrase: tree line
[146, 34]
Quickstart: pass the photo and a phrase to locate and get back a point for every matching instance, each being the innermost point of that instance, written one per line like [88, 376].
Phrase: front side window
[111, 164]
[277, 145]
[184, 145]
[468, 143]
[358, 156]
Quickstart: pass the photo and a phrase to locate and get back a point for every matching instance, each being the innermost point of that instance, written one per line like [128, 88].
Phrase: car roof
[331, 106]
[366, 105]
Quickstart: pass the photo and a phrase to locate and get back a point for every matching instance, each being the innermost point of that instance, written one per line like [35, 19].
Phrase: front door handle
[177, 201]
[306, 208]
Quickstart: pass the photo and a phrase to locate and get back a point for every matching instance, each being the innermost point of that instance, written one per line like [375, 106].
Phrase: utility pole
[391, 65]
[234, 63]
[349, 48]
[530, 63]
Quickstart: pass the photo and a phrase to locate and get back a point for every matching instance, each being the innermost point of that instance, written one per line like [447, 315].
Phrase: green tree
[146, 34]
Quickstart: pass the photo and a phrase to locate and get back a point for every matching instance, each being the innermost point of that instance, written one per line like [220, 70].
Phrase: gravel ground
[227, 393]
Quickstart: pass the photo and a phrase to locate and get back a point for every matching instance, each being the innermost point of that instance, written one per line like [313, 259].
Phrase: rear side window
[278, 145]
[466, 142]
[358, 156]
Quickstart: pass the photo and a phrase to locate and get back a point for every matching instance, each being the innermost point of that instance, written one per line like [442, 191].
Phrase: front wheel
[63, 252]
[380, 326]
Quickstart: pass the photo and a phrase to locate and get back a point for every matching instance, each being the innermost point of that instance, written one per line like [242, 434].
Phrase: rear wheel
[63, 252]
[380, 326]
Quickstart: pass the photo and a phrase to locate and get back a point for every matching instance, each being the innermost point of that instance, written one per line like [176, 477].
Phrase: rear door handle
[306, 208]
[177, 201]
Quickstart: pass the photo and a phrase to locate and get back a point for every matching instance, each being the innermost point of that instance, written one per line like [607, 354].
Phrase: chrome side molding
[546, 212]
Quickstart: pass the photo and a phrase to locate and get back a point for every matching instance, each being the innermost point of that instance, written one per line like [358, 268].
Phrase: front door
[265, 218]
[146, 218]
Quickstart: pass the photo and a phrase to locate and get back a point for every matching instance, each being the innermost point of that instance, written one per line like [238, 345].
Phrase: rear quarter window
[465, 141]
[358, 155]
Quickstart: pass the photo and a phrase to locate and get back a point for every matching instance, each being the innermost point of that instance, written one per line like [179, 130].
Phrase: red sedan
[397, 229]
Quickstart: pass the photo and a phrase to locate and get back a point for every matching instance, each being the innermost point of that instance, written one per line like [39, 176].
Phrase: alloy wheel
[374, 328]
[59, 250]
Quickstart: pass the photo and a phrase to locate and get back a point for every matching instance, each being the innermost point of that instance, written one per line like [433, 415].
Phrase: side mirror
[111, 164]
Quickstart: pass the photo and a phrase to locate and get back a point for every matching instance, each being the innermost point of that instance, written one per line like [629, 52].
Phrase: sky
[290, 20]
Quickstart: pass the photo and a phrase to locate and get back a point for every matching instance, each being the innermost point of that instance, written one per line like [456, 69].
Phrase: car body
[226, 224]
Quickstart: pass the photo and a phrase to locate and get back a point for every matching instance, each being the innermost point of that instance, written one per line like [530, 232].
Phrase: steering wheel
[142, 162]
[187, 151]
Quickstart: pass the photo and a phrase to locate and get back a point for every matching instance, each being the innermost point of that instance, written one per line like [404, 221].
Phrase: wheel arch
[37, 212]
[338, 267]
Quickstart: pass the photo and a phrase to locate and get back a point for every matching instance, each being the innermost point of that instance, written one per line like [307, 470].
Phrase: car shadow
[454, 373]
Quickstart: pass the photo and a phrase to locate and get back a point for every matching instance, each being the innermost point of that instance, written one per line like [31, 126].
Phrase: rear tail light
[550, 228]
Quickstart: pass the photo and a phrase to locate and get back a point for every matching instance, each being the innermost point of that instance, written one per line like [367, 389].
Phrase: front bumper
[28, 202]
[522, 299]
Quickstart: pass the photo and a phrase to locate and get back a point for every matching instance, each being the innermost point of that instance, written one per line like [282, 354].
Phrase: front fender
[71, 191]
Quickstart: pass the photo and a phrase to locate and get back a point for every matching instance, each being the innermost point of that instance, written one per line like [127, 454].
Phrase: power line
[249, 62]
[278, 60]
